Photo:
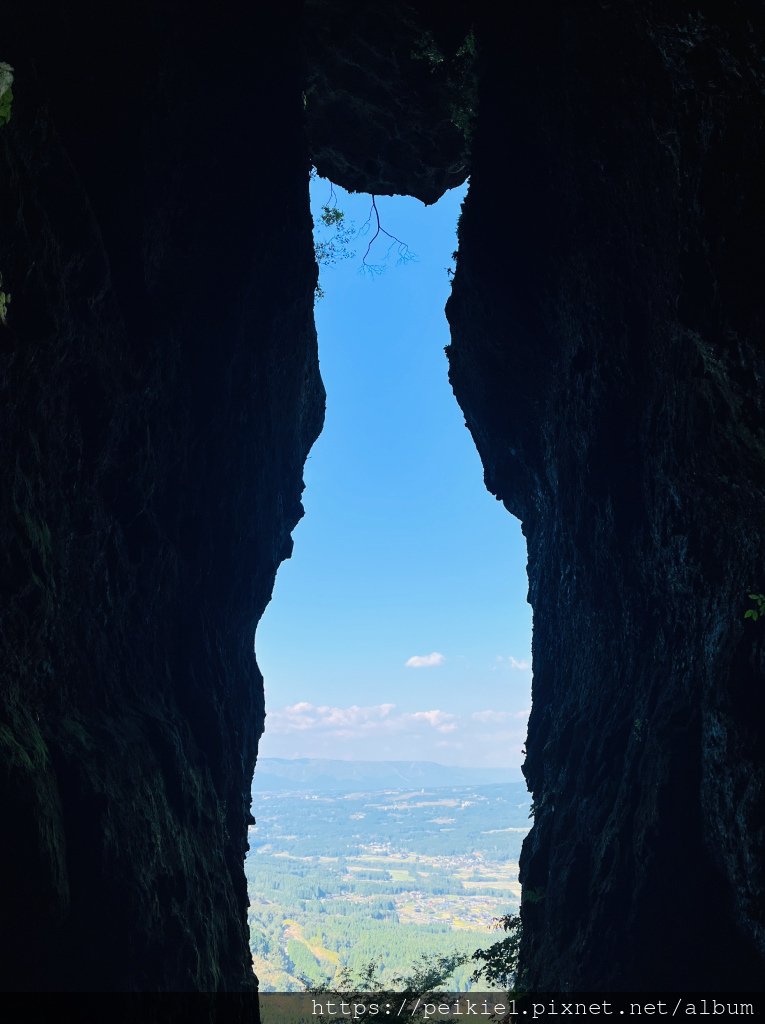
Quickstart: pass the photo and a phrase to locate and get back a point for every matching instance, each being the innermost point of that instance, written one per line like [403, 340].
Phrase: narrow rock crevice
[161, 393]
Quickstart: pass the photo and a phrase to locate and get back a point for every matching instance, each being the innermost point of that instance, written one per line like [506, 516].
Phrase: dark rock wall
[607, 325]
[387, 95]
[160, 392]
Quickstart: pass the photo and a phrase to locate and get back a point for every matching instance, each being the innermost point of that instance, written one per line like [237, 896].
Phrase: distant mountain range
[319, 775]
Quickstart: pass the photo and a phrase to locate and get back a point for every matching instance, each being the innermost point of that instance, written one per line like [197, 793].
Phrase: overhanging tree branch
[404, 252]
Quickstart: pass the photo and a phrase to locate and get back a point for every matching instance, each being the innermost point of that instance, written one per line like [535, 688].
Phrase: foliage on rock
[499, 963]
[758, 611]
[6, 92]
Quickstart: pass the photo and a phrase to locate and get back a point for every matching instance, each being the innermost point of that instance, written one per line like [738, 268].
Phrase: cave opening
[161, 393]
[396, 648]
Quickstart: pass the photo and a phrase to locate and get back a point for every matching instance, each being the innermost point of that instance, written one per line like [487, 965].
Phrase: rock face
[389, 94]
[160, 394]
[607, 352]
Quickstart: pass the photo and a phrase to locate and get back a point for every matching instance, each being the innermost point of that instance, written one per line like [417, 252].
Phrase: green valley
[341, 877]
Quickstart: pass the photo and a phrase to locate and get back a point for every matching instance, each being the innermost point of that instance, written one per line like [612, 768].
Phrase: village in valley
[341, 879]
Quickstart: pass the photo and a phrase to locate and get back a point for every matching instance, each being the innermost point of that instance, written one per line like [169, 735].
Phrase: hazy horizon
[378, 760]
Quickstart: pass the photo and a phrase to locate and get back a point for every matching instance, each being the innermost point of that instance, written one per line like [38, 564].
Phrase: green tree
[410, 992]
[499, 963]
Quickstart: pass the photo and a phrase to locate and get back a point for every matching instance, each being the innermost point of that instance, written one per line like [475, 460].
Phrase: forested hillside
[341, 879]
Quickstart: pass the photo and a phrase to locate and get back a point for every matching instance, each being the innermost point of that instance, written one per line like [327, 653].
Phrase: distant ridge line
[325, 774]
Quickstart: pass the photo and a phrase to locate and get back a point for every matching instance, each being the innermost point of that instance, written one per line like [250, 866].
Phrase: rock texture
[607, 351]
[389, 94]
[160, 392]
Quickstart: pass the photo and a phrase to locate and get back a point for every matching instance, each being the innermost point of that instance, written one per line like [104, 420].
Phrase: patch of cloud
[355, 719]
[442, 721]
[304, 715]
[371, 732]
[489, 715]
[516, 664]
[425, 660]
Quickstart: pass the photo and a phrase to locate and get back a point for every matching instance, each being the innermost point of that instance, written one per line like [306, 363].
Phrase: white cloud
[355, 720]
[304, 715]
[490, 716]
[517, 664]
[442, 721]
[425, 660]
[499, 716]
[370, 732]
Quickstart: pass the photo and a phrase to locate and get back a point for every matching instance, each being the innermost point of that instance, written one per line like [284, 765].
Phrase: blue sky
[399, 628]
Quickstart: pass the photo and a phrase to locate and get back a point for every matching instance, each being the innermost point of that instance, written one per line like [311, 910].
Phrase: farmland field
[343, 878]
